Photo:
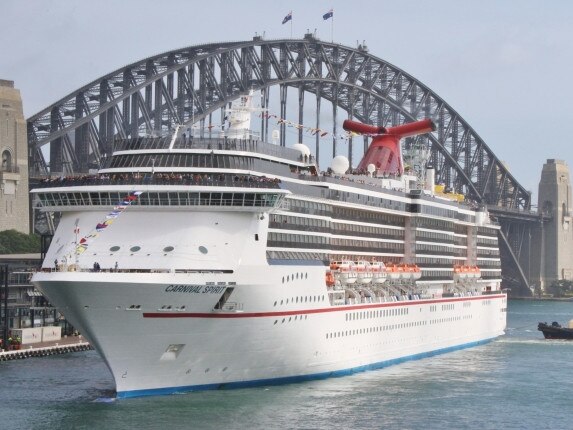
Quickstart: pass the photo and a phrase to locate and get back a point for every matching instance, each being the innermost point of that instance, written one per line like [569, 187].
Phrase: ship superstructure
[193, 263]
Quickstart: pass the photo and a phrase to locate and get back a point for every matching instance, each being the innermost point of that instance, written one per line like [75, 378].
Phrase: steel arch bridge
[189, 85]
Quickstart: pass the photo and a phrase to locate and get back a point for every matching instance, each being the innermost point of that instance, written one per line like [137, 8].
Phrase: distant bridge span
[190, 85]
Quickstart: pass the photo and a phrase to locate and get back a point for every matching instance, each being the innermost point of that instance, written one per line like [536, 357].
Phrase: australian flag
[287, 18]
[328, 14]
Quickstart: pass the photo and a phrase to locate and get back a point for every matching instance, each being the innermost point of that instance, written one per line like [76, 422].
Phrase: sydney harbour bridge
[195, 85]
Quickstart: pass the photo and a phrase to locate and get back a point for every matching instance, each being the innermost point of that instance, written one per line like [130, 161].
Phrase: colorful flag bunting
[110, 218]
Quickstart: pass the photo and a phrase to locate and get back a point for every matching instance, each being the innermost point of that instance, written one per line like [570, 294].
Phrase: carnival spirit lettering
[194, 289]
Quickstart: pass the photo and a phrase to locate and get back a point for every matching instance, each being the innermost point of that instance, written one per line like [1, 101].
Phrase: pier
[45, 349]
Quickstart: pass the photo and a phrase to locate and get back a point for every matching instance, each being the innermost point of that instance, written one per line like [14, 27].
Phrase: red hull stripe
[222, 314]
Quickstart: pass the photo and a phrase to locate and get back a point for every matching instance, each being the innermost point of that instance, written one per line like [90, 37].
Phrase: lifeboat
[408, 273]
[459, 272]
[364, 272]
[394, 272]
[344, 271]
[462, 273]
[416, 272]
[474, 272]
[378, 272]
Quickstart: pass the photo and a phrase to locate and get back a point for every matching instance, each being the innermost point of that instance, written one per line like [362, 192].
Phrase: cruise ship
[195, 263]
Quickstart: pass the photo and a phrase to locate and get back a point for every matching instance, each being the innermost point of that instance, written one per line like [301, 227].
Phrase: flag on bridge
[328, 14]
[287, 18]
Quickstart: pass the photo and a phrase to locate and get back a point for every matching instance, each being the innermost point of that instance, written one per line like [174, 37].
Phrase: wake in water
[104, 400]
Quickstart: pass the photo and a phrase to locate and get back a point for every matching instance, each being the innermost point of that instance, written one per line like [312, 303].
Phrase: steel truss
[189, 85]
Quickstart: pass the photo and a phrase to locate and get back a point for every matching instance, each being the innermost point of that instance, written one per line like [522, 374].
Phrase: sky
[503, 65]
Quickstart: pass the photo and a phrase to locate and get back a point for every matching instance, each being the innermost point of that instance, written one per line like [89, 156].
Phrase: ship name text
[196, 289]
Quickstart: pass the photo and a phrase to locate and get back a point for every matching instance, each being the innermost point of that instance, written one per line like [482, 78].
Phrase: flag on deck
[287, 18]
[328, 14]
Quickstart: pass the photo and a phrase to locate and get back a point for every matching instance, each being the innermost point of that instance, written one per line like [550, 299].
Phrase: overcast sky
[504, 66]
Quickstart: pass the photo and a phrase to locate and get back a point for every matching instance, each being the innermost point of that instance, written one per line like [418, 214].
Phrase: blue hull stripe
[291, 379]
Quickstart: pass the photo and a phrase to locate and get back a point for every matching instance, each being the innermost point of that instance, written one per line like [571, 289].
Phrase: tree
[560, 288]
[14, 242]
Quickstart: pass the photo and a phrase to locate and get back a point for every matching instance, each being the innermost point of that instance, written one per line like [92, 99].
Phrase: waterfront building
[25, 307]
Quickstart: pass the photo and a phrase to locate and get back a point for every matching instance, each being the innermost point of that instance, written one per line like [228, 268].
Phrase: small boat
[555, 331]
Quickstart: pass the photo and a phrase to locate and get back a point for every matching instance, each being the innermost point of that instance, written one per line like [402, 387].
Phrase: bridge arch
[189, 85]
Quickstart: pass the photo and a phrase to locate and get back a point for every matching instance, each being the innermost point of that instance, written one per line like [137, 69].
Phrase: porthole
[203, 250]
[135, 248]
[114, 248]
[168, 249]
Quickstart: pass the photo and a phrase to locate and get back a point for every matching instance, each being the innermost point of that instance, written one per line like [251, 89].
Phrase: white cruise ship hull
[152, 349]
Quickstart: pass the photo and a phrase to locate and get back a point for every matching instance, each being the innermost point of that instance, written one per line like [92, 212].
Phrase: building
[14, 200]
[554, 239]
[23, 306]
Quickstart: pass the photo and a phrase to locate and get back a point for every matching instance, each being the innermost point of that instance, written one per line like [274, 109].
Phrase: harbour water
[519, 381]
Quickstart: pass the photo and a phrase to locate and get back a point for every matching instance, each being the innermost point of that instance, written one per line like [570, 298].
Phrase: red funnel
[384, 152]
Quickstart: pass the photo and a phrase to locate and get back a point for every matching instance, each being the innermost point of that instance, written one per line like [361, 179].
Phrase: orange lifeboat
[393, 271]
[416, 272]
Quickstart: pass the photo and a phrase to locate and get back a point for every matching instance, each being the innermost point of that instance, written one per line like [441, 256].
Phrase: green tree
[14, 242]
[560, 288]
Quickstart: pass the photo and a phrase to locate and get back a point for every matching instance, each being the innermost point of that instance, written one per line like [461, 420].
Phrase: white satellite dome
[303, 149]
[371, 168]
[340, 164]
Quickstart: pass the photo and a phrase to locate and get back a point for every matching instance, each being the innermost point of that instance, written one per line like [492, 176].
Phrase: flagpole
[291, 25]
[332, 29]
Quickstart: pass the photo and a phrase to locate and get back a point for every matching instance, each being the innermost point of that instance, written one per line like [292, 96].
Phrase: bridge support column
[555, 239]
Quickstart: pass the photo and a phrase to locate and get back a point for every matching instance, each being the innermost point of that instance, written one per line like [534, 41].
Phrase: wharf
[44, 349]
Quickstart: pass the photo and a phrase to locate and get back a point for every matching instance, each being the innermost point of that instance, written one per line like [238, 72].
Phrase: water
[519, 381]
